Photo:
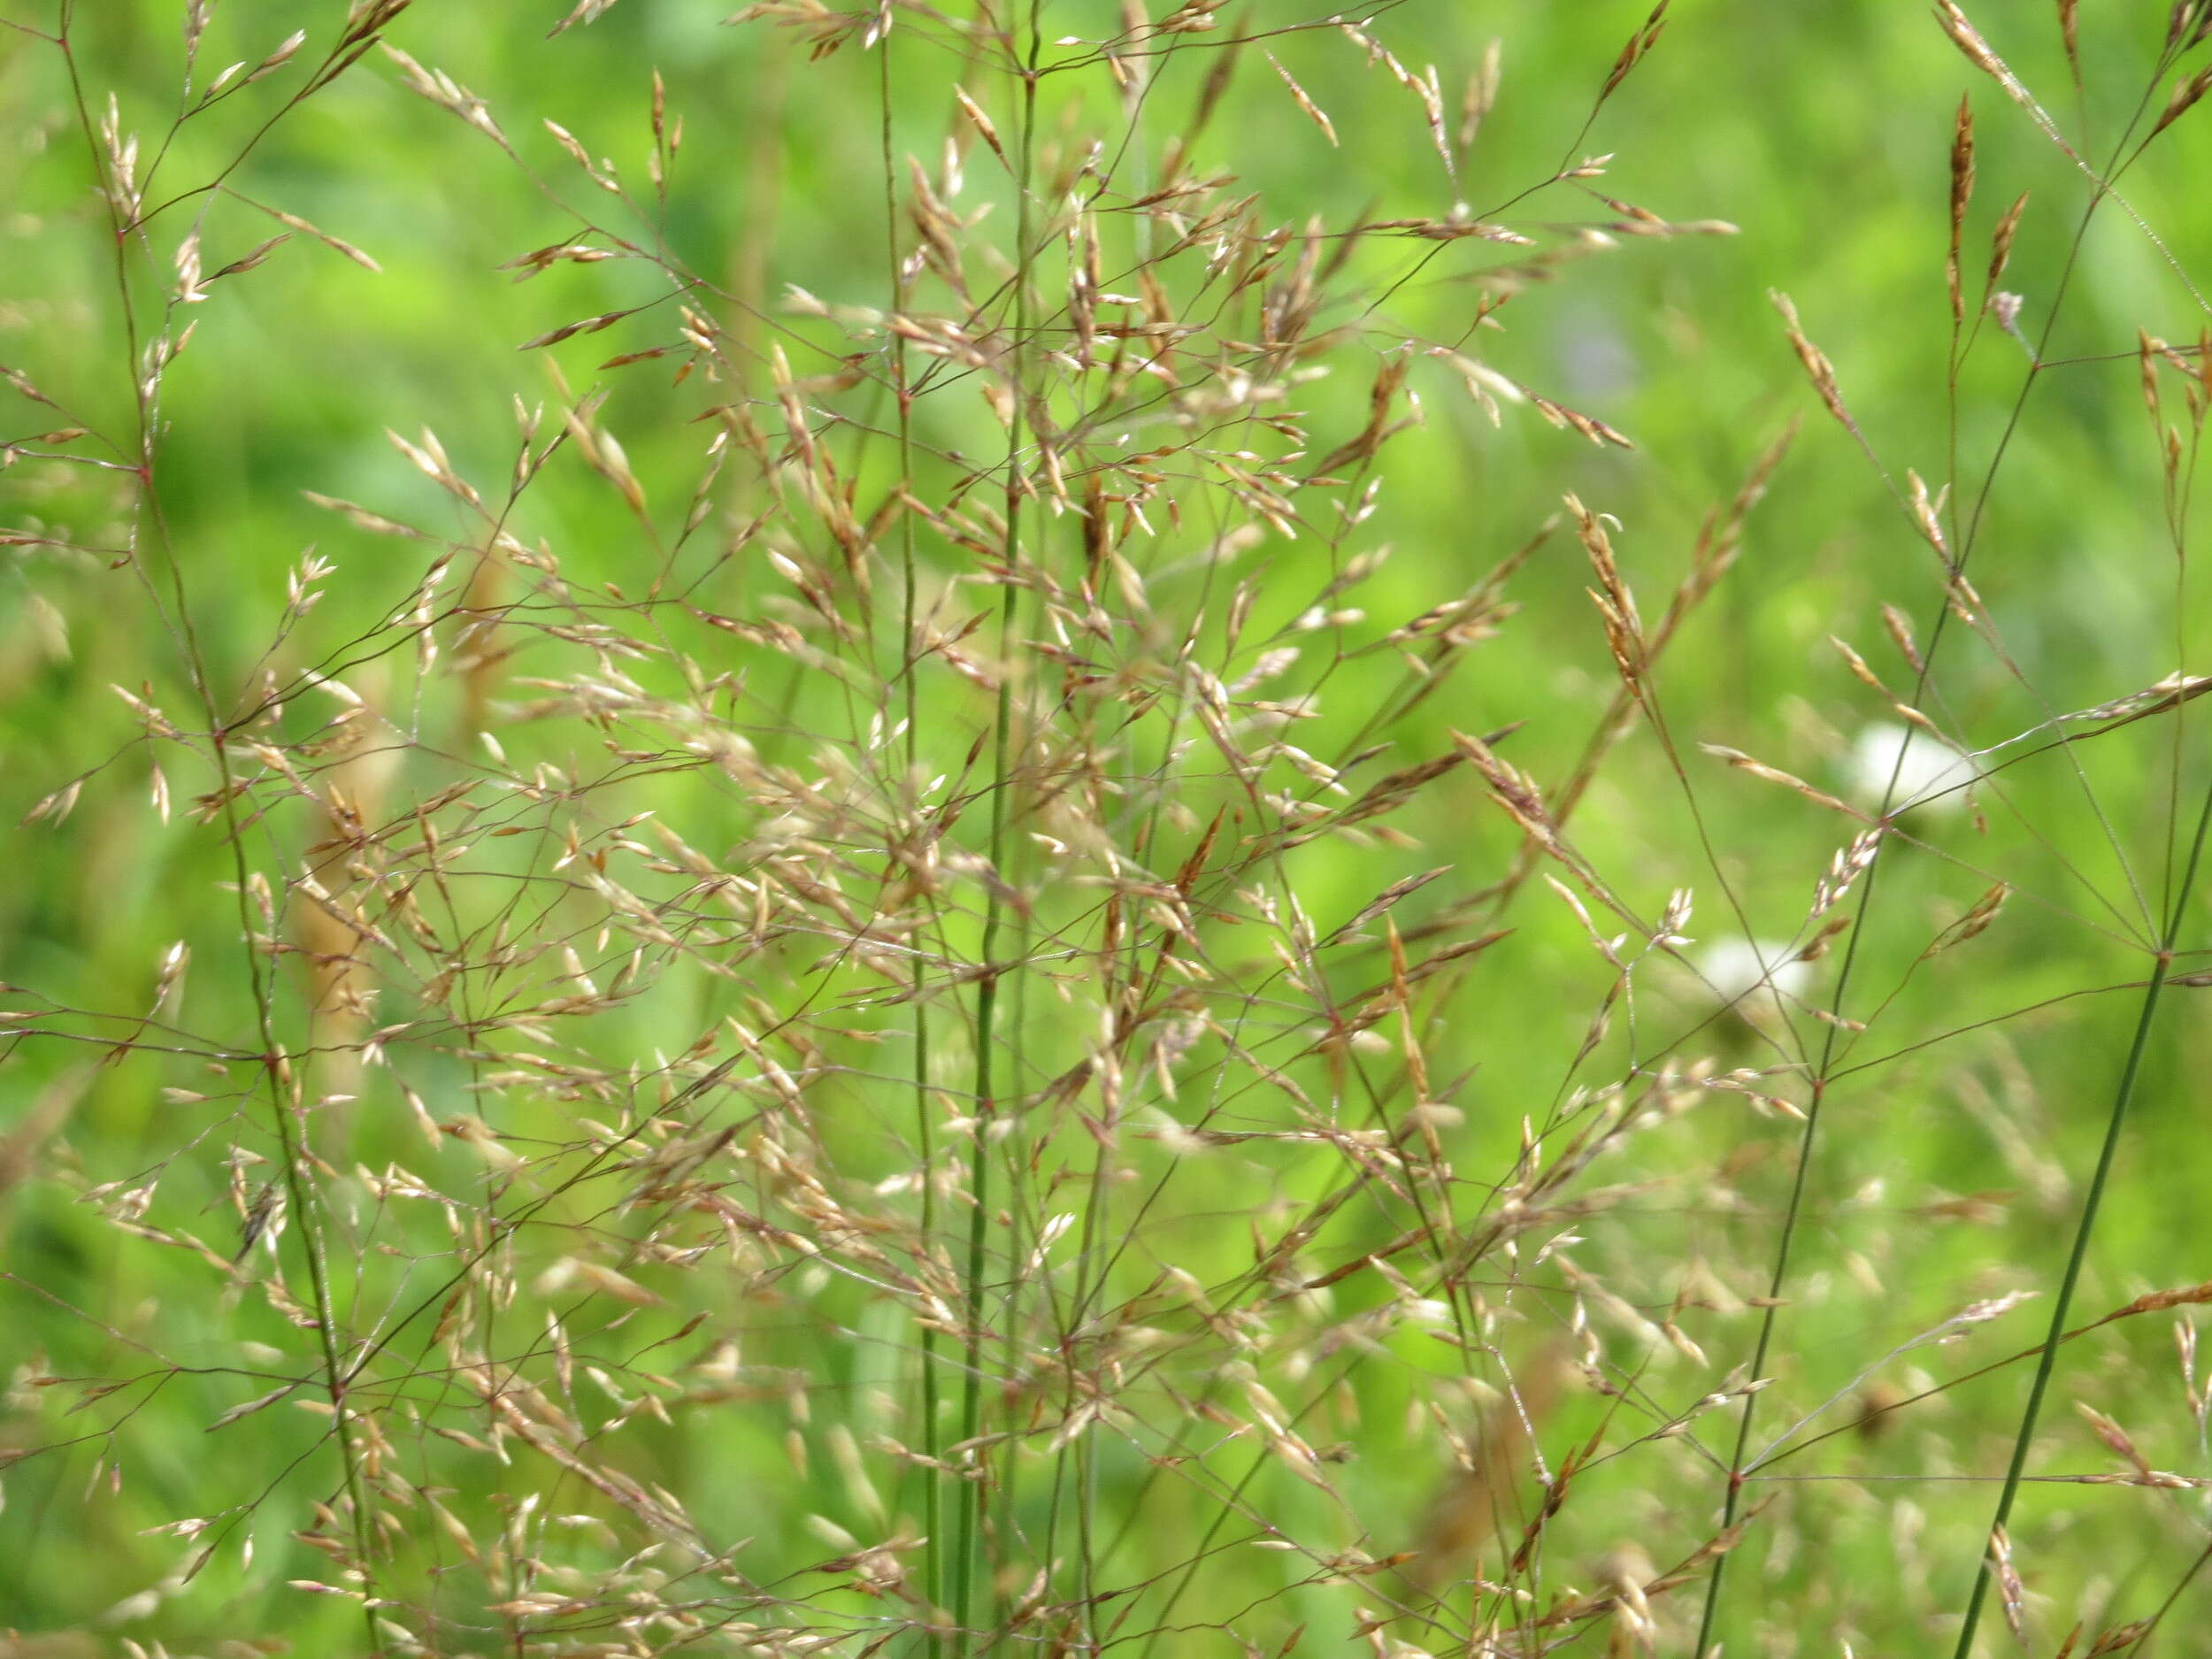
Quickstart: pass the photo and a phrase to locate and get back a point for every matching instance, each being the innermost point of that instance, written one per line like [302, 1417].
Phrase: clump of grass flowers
[880, 983]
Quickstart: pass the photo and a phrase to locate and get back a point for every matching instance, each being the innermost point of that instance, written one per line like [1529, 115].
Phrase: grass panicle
[1093, 829]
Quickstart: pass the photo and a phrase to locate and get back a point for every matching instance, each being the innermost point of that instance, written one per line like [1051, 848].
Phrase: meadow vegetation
[1069, 828]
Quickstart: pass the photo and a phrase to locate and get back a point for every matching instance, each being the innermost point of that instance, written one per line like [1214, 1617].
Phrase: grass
[1127, 831]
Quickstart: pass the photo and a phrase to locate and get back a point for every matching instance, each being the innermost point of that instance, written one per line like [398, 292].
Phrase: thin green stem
[2121, 1098]
[924, 1135]
[1824, 1076]
[994, 907]
[300, 1193]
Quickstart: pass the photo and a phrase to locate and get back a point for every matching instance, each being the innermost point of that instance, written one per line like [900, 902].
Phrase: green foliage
[820, 843]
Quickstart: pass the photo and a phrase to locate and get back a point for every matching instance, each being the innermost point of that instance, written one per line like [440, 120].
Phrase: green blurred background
[1820, 132]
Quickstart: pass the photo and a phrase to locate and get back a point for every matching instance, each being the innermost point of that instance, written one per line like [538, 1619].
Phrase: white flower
[1931, 775]
[1734, 969]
